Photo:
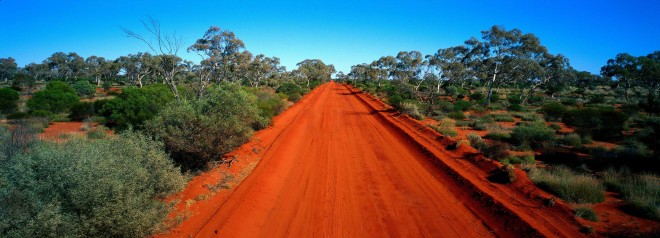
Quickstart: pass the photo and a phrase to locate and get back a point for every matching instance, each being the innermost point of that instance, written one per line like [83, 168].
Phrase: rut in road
[338, 171]
[336, 165]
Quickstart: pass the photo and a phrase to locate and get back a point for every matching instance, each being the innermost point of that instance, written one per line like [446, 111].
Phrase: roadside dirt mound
[341, 163]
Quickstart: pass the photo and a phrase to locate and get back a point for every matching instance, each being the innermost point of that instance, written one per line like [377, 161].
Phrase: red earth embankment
[339, 164]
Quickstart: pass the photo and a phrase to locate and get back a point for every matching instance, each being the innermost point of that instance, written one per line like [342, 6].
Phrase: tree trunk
[490, 87]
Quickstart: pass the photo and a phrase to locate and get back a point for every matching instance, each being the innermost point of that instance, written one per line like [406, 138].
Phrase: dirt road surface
[333, 167]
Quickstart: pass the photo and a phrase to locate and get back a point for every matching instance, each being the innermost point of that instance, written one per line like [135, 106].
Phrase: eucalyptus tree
[450, 66]
[650, 74]
[94, 67]
[8, 68]
[217, 50]
[364, 72]
[38, 72]
[165, 50]
[314, 70]
[625, 69]
[66, 66]
[384, 67]
[138, 66]
[407, 66]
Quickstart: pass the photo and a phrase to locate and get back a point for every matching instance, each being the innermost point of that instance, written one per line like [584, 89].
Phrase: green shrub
[82, 110]
[99, 188]
[533, 117]
[411, 109]
[502, 117]
[554, 126]
[18, 116]
[42, 114]
[293, 91]
[98, 132]
[136, 105]
[106, 85]
[451, 91]
[566, 184]
[84, 89]
[457, 115]
[461, 105]
[197, 132]
[641, 192]
[58, 97]
[446, 127]
[496, 150]
[478, 125]
[476, 141]
[515, 107]
[477, 96]
[535, 135]
[501, 136]
[269, 104]
[586, 213]
[8, 100]
[60, 86]
[600, 123]
[573, 140]
[553, 111]
[514, 99]
[570, 101]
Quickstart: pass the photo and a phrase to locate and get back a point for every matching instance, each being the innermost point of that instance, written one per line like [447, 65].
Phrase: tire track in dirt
[339, 168]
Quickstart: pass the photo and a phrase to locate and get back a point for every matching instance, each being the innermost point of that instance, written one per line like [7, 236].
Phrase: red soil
[613, 220]
[55, 129]
[337, 165]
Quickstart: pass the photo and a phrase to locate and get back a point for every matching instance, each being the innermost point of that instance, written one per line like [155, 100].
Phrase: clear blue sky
[342, 33]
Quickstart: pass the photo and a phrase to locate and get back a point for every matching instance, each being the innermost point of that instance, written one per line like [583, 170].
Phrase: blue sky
[342, 33]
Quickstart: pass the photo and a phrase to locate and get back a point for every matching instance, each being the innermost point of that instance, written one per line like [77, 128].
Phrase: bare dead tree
[165, 48]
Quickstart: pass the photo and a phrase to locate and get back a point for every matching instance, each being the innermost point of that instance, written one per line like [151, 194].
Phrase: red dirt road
[337, 168]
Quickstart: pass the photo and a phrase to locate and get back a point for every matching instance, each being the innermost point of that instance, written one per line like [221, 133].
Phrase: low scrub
[502, 117]
[553, 111]
[81, 188]
[411, 109]
[534, 135]
[446, 127]
[586, 213]
[566, 184]
[197, 132]
[641, 192]
[501, 136]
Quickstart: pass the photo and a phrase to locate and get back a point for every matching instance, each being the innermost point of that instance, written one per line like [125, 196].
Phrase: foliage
[269, 104]
[84, 89]
[587, 213]
[411, 109]
[496, 150]
[573, 140]
[136, 105]
[82, 110]
[462, 105]
[476, 141]
[446, 127]
[58, 97]
[495, 135]
[293, 91]
[502, 117]
[197, 132]
[535, 135]
[457, 115]
[553, 111]
[600, 123]
[8, 100]
[100, 188]
[566, 184]
[641, 192]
